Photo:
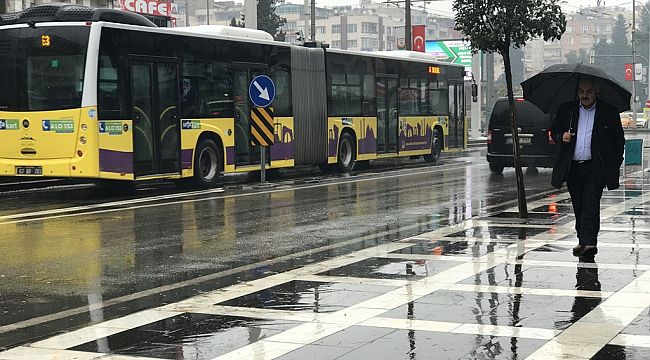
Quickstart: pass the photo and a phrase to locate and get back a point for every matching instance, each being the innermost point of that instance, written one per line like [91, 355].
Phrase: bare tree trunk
[521, 189]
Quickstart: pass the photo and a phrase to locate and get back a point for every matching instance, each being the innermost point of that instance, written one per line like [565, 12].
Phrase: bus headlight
[82, 139]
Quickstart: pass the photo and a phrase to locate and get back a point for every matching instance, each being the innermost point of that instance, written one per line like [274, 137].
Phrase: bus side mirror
[474, 93]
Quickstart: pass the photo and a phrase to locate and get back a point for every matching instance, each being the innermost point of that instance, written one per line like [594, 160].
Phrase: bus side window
[108, 94]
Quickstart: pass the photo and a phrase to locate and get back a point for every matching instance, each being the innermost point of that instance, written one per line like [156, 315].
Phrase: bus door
[155, 100]
[387, 120]
[246, 153]
[457, 130]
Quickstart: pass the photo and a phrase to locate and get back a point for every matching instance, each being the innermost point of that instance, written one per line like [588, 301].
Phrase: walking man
[591, 142]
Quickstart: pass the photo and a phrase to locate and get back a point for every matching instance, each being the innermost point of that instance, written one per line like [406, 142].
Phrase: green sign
[113, 127]
[9, 124]
[59, 126]
[634, 152]
[453, 51]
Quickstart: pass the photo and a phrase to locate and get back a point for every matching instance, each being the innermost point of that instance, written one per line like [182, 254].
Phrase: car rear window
[527, 114]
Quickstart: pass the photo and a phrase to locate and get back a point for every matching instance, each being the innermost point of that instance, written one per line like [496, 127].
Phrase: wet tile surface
[625, 255]
[312, 296]
[499, 232]
[548, 312]
[640, 325]
[452, 247]
[384, 268]
[552, 277]
[188, 336]
[615, 352]
[382, 343]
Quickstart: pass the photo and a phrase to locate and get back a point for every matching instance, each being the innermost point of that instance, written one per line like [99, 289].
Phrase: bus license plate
[29, 170]
[522, 140]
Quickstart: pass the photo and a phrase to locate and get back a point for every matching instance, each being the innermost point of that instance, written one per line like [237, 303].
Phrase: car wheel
[496, 168]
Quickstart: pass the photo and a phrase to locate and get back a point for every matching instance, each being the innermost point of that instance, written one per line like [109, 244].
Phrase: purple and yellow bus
[105, 94]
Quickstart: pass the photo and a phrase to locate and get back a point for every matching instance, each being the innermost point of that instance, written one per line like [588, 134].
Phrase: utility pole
[633, 105]
[207, 11]
[312, 34]
[408, 42]
[250, 14]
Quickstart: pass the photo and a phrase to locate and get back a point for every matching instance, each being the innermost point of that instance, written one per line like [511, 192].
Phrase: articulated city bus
[105, 94]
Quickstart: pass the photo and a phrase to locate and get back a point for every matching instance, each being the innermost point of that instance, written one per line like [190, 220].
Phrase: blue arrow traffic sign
[261, 91]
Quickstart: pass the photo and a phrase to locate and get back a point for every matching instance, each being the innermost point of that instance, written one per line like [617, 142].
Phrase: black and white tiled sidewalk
[488, 288]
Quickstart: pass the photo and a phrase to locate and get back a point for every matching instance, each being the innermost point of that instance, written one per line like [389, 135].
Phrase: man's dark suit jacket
[607, 142]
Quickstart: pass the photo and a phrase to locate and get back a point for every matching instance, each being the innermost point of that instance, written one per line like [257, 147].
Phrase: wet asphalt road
[71, 248]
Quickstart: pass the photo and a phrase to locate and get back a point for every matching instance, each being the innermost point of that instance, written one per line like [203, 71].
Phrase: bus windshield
[42, 67]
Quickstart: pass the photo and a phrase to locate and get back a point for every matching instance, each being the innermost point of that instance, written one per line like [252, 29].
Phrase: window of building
[368, 28]
[352, 28]
[585, 40]
[585, 28]
[336, 44]
[320, 29]
[569, 29]
[352, 44]
[369, 44]
[336, 29]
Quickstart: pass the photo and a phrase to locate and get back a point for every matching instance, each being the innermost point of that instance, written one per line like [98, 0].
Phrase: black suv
[537, 146]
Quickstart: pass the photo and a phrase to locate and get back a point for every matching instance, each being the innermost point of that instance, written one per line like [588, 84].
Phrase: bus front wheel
[208, 160]
[347, 154]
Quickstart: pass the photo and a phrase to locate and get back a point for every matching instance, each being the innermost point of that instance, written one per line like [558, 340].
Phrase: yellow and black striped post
[262, 126]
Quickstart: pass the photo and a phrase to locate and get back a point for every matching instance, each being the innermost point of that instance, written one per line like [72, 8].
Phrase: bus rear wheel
[208, 161]
[436, 147]
[347, 154]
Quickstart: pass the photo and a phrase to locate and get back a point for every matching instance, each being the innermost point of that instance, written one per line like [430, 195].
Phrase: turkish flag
[418, 35]
[629, 72]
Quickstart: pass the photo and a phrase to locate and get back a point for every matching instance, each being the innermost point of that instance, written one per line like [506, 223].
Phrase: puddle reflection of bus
[104, 94]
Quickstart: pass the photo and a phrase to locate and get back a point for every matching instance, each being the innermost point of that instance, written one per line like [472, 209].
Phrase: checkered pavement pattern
[488, 287]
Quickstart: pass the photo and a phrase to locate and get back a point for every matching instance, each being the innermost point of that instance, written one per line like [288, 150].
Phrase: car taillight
[550, 137]
[489, 137]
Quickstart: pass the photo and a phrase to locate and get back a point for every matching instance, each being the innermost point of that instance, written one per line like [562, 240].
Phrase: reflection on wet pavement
[391, 268]
[462, 286]
[358, 343]
[308, 296]
[615, 352]
[188, 336]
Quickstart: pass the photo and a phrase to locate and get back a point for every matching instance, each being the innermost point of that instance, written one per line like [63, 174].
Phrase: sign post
[262, 92]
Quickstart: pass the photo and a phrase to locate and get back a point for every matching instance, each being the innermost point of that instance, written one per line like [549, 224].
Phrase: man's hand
[567, 136]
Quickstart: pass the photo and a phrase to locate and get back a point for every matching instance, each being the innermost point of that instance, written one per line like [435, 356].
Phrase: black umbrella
[558, 84]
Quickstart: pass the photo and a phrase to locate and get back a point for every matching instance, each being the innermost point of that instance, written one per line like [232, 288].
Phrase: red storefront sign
[149, 7]
[418, 34]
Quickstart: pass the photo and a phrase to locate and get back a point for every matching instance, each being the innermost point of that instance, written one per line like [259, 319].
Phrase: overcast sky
[445, 7]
